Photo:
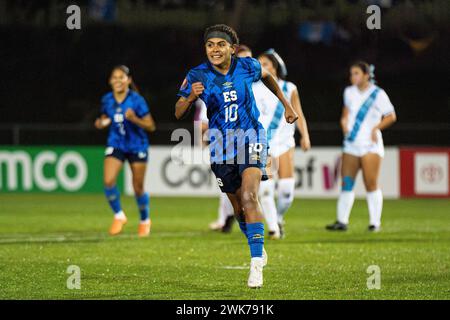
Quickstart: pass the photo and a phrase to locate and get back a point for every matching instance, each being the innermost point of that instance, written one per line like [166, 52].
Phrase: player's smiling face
[358, 77]
[119, 81]
[219, 51]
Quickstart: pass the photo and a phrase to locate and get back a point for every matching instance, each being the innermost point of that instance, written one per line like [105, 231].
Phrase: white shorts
[359, 150]
[278, 147]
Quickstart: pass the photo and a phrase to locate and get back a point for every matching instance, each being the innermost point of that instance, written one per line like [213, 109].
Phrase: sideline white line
[234, 267]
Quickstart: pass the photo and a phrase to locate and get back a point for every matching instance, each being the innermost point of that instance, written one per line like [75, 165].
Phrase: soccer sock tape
[255, 236]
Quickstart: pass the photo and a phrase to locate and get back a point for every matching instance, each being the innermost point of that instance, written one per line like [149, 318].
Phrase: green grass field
[41, 235]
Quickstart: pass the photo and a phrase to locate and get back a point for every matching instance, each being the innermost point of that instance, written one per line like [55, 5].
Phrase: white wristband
[105, 122]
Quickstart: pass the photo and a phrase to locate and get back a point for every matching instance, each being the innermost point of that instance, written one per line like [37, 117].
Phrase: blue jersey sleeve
[185, 88]
[254, 67]
[141, 107]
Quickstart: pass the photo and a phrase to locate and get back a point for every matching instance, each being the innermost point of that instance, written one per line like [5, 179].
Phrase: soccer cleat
[265, 257]
[215, 226]
[373, 228]
[226, 228]
[337, 226]
[274, 235]
[255, 278]
[144, 229]
[117, 226]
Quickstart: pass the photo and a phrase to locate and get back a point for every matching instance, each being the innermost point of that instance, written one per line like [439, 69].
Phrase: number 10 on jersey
[231, 111]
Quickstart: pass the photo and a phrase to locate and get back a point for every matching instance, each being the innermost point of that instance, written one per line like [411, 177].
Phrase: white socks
[285, 196]
[225, 208]
[267, 199]
[120, 215]
[375, 204]
[344, 206]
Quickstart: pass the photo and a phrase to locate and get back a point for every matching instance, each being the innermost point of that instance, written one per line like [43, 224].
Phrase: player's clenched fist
[130, 115]
[197, 89]
[290, 115]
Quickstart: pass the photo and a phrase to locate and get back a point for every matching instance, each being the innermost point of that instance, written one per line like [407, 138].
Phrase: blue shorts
[229, 175]
[121, 155]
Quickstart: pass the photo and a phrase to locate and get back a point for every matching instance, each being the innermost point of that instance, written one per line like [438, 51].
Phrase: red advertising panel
[424, 172]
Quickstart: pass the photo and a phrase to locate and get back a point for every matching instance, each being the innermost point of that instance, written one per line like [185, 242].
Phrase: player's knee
[109, 183]
[371, 186]
[347, 183]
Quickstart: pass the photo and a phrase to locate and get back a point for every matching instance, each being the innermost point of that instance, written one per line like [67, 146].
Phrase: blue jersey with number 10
[230, 105]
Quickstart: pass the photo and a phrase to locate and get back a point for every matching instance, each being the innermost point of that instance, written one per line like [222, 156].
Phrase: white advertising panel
[186, 173]
[431, 173]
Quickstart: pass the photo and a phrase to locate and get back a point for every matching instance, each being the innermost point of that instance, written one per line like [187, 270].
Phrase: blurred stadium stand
[53, 78]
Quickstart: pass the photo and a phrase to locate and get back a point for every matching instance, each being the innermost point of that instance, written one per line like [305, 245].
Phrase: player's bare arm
[385, 122]
[271, 83]
[344, 120]
[183, 104]
[302, 126]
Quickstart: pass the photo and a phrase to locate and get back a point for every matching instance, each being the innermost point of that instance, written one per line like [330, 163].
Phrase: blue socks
[143, 203]
[113, 197]
[254, 232]
[255, 236]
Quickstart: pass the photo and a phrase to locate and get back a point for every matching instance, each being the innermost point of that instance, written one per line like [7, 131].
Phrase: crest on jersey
[227, 84]
[142, 155]
[184, 84]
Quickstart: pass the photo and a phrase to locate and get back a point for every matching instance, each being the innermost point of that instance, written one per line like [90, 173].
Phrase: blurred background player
[224, 83]
[125, 111]
[225, 219]
[367, 110]
[280, 136]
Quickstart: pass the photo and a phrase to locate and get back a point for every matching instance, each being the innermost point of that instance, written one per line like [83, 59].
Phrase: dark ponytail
[127, 71]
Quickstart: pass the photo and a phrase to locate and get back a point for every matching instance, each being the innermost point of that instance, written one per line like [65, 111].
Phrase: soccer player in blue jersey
[127, 114]
[237, 139]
